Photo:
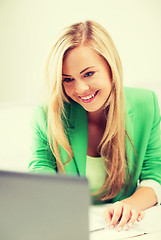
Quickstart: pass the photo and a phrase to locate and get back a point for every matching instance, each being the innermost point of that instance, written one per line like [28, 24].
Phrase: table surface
[148, 236]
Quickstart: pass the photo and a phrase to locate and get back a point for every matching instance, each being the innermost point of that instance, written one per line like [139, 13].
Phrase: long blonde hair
[112, 145]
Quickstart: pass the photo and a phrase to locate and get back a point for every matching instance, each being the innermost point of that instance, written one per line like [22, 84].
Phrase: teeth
[88, 97]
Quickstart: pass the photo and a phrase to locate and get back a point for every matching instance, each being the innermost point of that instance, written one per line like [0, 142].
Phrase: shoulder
[138, 95]
[143, 105]
[141, 100]
[39, 119]
[40, 112]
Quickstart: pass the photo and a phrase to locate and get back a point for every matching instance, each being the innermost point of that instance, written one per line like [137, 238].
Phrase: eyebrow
[86, 69]
[80, 72]
[66, 75]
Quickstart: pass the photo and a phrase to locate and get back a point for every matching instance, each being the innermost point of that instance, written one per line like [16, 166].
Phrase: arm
[42, 159]
[131, 209]
[137, 200]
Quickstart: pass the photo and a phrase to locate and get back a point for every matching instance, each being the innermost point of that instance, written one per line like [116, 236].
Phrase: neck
[97, 117]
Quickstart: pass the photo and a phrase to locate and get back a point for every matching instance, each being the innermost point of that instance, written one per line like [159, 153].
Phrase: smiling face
[86, 78]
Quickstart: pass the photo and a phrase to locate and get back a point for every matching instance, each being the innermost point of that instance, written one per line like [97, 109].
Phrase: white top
[96, 175]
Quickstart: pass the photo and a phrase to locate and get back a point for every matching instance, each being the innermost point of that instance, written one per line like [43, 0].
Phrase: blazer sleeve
[151, 168]
[42, 159]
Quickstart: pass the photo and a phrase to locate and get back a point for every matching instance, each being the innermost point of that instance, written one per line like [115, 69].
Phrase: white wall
[28, 29]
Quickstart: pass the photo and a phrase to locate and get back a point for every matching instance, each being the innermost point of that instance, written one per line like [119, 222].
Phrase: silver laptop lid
[43, 207]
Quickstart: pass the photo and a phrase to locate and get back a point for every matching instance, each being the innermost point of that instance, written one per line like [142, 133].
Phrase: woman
[91, 126]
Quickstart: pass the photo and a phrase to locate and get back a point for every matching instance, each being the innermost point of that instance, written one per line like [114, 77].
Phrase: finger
[126, 214]
[108, 214]
[134, 215]
[116, 215]
[140, 216]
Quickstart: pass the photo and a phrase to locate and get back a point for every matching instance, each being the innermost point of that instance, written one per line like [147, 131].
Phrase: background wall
[28, 29]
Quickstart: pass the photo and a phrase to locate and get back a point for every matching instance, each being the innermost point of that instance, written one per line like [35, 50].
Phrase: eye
[68, 80]
[89, 74]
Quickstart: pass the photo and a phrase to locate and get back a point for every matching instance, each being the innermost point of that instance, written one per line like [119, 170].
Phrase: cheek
[109, 81]
[105, 82]
[109, 86]
[68, 90]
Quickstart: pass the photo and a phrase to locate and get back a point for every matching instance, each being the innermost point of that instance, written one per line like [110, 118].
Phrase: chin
[92, 110]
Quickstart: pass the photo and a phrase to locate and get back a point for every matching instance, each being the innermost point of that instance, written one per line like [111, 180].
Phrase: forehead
[79, 58]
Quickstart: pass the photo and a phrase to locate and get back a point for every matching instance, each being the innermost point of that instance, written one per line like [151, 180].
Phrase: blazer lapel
[78, 136]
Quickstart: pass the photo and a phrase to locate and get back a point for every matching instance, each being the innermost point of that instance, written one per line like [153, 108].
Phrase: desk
[149, 236]
[148, 229]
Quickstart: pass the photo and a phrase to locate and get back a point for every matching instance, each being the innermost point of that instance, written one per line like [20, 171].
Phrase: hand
[122, 213]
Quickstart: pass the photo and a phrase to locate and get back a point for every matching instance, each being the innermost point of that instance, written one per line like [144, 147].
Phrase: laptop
[43, 207]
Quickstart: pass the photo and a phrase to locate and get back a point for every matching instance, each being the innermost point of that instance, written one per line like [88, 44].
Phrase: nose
[81, 87]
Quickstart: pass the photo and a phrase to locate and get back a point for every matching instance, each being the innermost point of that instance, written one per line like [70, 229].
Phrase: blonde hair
[112, 145]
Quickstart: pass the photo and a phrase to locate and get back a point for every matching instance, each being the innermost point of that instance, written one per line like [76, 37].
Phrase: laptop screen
[36, 206]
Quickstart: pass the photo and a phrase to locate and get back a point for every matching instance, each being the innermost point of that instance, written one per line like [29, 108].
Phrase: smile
[88, 98]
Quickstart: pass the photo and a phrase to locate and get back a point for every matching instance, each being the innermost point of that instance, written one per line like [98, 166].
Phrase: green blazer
[142, 124]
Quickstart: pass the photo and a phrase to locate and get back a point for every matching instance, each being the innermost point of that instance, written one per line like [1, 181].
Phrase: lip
[89, 97]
